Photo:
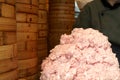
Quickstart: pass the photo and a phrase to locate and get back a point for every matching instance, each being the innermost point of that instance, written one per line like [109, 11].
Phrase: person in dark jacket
[103, 15]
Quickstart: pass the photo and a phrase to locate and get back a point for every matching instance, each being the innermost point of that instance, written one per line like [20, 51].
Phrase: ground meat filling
[85, 54]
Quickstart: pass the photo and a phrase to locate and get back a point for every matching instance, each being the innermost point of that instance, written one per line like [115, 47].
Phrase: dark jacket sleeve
[83, 19]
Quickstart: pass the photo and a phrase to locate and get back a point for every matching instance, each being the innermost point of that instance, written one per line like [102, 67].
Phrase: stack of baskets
[43, 31]
[61, 19]
[27, 36]
[8, 54]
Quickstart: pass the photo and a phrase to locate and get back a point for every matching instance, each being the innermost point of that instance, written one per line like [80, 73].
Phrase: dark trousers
[116, 50]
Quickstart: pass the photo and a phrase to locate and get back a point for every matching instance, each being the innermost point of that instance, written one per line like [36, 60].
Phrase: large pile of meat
[85, 54]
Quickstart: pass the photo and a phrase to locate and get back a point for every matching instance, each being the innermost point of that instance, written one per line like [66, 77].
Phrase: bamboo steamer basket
[66, 25]
[27, 27]
[8, 52]
[57, 15]
[31, 2]
[1, 39]
[42, 1]
[8, 59]
[55, 35]
[31, 45]
[27, 54]
[58, 32]
[12, 75]
[42, 13]
[7, 21]
[27, 67]
[42, 16]
[27, 45]
[42, 34]
[27, 72]
[26, 18]
[63, 12]
[42, 43]
[22, 79]
[39, 66]
[7, 31]
[12, 2]
[63, 25]
[32, 18]
[47, 5]
[8, 47]
[8, 38]
[27, 63]
[26, 36]
[27, 8]
[61, 19]
[42, 4]
[41, 55]
[8, 65]
[9, 8]
[32, 77]
[62, 6]
[42, 49]
[4, 27]
[43, 27]
[21, 46]
[42, 7]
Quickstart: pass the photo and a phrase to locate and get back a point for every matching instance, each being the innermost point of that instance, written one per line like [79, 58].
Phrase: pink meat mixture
[85, 54]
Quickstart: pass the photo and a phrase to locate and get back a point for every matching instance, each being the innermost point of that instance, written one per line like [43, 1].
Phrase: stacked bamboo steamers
[61, 19]
[8, 54]
[27, 36]
[43, 32]
[24, 34]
